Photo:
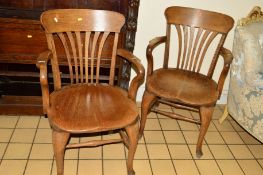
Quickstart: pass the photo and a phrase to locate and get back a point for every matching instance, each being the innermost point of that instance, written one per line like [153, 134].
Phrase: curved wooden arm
[151, 46]
[42, 61]
[228, 57]
[139, 69]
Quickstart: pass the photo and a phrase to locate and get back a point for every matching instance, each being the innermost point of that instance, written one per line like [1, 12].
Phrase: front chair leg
[60, 139]
[147, 102]
[132, 132]
[206, 116]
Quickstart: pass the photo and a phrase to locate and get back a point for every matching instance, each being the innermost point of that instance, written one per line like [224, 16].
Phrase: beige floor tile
[91, 153]
[39, 167]
[217, 114]
[23, 135]
[152, 124]
[12, 167]
[214, 138]
[158, 151]
[260, 161]
[247, 138]
[154, 137]
[111, 136]
[28, 122]
[114, 167]
[2, 149]
[211, 127]
[44, 123]
[162, 167]
[70, 167]
[232, 138]
[43, 136]
[195, 115]
[74, 140]
[17, 151]
[225, 126]
[93, 167]
[113, 151]
[142, 167]
[182, 112]
[174, 137]
[152, 115]
[206, 152]
[208, 167]
[229, 167]
[221, 152]
[72, 154]
[185, 167]
[42, 151]
[187, 126]
[141, 152]
[89, 138]
[236, 126]
[180, 152]
[164, 106]
[191, 136]
[250, 167]
[169, 124]
[240, 151]
[257, 150]
[5, 135]
[8, 121]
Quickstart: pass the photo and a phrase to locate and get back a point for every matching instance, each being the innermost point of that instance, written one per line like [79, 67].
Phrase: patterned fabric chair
[245, 95]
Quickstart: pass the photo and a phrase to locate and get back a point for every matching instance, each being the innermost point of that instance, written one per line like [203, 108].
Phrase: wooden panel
[22, 39]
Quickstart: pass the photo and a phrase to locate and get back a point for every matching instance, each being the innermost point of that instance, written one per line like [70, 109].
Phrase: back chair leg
[147, 102]
[132, 132]
[206, 116]
[60, 140]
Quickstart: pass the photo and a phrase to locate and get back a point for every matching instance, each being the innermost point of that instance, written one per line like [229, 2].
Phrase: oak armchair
[180, 83]
[84, 105]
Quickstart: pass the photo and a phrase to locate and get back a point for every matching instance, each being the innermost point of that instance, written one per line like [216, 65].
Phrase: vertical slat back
[113, 59]
[83, 34]
[196, 30]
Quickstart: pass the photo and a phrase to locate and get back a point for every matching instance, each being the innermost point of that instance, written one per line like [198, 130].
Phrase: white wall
[151, 23]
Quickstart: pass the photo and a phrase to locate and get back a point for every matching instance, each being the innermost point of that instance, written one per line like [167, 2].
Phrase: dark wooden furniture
[22, 38]
[88, 104]
[183, 85]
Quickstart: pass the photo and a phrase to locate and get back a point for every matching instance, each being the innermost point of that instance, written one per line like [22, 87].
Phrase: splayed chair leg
[206, 116]
[147, 102]
[132, 132]
[60, 140]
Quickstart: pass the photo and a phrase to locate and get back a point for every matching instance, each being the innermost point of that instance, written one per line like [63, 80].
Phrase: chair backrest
[82, 34]
[196, 29]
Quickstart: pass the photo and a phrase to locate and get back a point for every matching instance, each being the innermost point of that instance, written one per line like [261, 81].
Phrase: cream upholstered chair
[245, 96]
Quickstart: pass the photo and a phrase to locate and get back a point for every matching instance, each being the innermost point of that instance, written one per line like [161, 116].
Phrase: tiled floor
[168, 148]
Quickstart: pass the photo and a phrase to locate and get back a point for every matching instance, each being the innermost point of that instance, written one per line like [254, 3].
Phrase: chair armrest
[139, 69]
[42, 62]
[228, 57]
[151, 46]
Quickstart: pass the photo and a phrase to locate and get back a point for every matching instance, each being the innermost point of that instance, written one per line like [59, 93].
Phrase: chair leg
[60, 140]
[147, 102]
[224, 116]
[206, 116]
[132, 132]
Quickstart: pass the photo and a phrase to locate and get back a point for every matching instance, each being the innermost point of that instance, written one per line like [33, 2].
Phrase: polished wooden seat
[178, 84]
[91, 108]
[187, 82]
[89, 102]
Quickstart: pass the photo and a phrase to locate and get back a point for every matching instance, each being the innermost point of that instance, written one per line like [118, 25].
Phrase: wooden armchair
[84, 105]
[184, 85]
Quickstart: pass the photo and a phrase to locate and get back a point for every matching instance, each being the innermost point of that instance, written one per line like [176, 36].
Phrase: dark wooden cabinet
[22, 38]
